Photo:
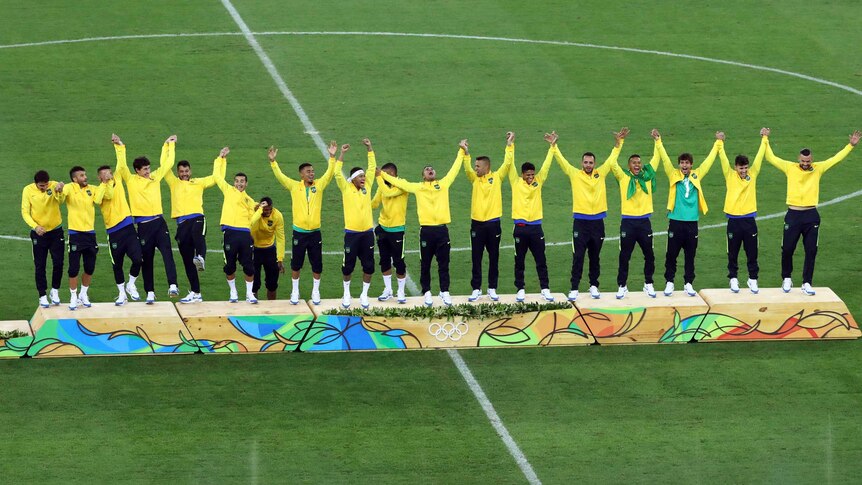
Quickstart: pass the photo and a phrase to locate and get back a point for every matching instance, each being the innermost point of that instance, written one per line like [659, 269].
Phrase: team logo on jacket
[363, 190]
[694, 176]
[88, 192]
[595, 175]
[437, 186]
[269, 223]
[535, 184]
[747, 178]
[314, 190]
[491, 180]
[49, 191]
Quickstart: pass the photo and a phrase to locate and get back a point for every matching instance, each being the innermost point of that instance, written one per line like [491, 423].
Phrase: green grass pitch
[699, 413]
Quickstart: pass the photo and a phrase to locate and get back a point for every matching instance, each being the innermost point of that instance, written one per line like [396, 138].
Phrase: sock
[122, 291]
[315, 285]
[295, 283]
[346, 288]
[248, 285]
[132, 279]
[232, 285]
[401, 282]
[84, 290]
[74, 293]
[387, 283]
[366, 286]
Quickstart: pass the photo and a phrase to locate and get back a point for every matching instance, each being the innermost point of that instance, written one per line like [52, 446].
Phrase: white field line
[494, 418]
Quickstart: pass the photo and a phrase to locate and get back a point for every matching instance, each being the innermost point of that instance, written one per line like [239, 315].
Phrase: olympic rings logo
[448, 331]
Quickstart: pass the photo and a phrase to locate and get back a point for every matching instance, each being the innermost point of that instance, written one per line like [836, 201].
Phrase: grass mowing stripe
[494, 418]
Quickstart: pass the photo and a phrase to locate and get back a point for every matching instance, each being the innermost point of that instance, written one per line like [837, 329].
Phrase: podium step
[637, 318]
[391, 332]
[15, 347]
[106, 329]
[268, 326]
[772, 314]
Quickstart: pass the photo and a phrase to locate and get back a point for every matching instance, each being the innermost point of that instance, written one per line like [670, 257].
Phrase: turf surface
[764, 411]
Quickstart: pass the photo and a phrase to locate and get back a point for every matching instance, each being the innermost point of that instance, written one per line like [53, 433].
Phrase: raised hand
[367, 143]
[622, 134]
[719, 135]
[333, 149]
[273, 151]
[552, 137]
[655, 134]
[263, 204]
[854, 138]
[59, 187]
[464, 145]
[765, 131]
[116, 139]
[510, 137]
[171, 139]
[344, 149]
[223, 153]
[377, 172]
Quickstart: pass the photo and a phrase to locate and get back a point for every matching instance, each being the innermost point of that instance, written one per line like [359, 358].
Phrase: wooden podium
[268, 326]
[106, 329]
[15, 347]
[637, 318]
[334, 333]
[774, 315]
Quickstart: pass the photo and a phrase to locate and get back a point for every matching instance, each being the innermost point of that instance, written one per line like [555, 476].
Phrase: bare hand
[273, 151]
[367, 143]
[345, 147]
[378, 172]
[40, 231]
[171, 139]
[622, 134]
[464, 145]
[116, 139]
[510, 137]
[281, 267]
[223, 153]
[854, 138]
[719, 135]
[333, 148]
[59, 187]
[263, 204]
[765, 131]
[655, 134]
[552, 137]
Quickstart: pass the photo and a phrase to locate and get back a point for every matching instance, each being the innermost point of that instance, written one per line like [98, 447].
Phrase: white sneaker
[192, 297]
[250, 298]
[734, 285]
[689, 290]
[401, 297]
[84, 299]
[315, 297]
[173, 291]
[807, 289]
[233, 298]
[199, 262]
[621, 293]
[594, 292]
[55, 296]
[447, 300]
[572, 296]
[475, 295]
[752, 285]
[294, 297]
[668, 288]
[363, 301]
[428, 299]
[492, 294]
[151, 297]
[132, 290]
[787, 285]
[345, 300]
[121, 300]
[387, 294]
[546, 294]
[43, 301]
[520, 295]
[649, 290]
[73, 303]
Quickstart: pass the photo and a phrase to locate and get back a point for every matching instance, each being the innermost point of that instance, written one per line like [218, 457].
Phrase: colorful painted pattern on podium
[70, 337]
[15, 347]
[546, 328]
[813, 325]
[331, 332]
[257, 333]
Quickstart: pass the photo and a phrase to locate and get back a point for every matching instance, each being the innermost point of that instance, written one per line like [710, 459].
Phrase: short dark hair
[140, 163]
[685, 156]
[103, 167]
[240, 174]
[73, 170]
[41, 177]
[484, 159]
[303, 165]
[389, 165]
[805, 152]
[633, 155]
[741, 160]
[184, 163]
[267, 200]
[588, 154]
[527, 166]
[354, 170]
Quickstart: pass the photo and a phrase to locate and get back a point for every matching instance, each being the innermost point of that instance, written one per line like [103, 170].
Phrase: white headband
[355, 174]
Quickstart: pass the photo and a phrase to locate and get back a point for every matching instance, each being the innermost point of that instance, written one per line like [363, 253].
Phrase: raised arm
[411, 187]
[754, 168]
[279, 242]
[544, 170]
[463, 154]
[219, 170]
[371, 169]
[166, 161]
[508, 157]
[770, 157]
[611, 161]
[564, 164]
[831, 162]
[659, 153]
[704, 167]
[323, 181]
[377, 199]
[285, 181]
[122, 169]
[59, 194]
[105, 191]
[339, 174]
[726, 169]
[468, 168]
